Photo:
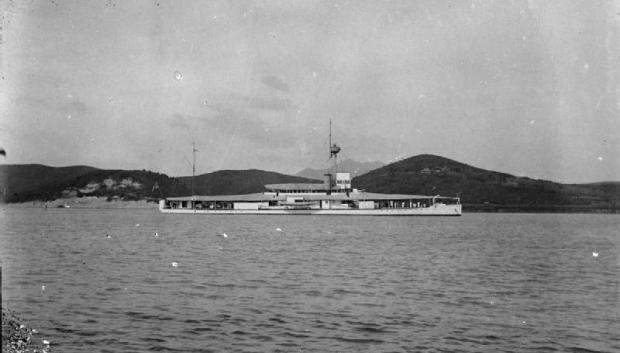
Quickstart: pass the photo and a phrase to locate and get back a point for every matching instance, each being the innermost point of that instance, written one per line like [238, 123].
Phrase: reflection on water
[481, 282]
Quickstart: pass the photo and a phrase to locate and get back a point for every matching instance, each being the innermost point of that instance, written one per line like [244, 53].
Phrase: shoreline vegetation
[84, 202]
[18, 336]
[492, 208]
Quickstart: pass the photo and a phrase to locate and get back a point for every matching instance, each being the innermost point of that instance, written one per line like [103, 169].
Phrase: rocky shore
[18, 337]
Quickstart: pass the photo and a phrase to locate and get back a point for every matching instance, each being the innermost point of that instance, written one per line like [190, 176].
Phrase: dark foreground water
[478, 283]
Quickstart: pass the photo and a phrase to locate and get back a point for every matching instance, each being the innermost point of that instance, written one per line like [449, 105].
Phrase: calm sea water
[478, 283]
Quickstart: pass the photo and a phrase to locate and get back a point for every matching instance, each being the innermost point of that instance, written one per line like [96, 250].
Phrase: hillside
[433, 175]
[348, 165]
[26, 177]
[235, 182]
[21, 183]
[479, 189]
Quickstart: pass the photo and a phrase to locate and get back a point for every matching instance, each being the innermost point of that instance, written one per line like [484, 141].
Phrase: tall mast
[193, 164]
[333, 152]
[330, 135]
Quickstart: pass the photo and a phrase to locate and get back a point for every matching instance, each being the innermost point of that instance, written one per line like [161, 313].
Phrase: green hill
[236, 182]
[26, 182]
[21, 183]
[30, 182]
[484, 189]
[479, 189]
[348, 165]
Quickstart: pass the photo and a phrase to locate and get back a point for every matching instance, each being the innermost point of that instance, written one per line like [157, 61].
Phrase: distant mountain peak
[348, 166]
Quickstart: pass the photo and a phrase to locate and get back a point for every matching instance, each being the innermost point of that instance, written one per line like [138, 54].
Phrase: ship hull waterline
[447, 210]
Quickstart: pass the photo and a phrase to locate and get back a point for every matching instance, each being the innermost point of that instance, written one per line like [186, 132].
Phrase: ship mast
[193, 164]
[333, 149]
[330, 135]
[333, 153]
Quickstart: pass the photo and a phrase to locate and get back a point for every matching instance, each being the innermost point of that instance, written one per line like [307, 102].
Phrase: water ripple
[509, 283]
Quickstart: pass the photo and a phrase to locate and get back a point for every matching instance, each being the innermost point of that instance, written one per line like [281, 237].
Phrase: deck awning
[353, 196]
[367, 196]
[257, 197]
[295, 186]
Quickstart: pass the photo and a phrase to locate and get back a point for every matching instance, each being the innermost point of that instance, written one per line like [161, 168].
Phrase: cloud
[275, 83]
[74, 106]
[237, 123]
[261, 101]
[71, 106]
[30, 101]
[271, 103]
[178, 121]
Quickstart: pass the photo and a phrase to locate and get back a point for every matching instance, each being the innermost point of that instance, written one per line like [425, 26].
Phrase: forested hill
[434, 175]
[29, 182]
[236, 182]
[348, 165]
[21, 183]
[479, 189]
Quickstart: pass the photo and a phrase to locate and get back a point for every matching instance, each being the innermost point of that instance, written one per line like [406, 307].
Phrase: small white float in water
[595, 254]
[175, 264]
[278, 229]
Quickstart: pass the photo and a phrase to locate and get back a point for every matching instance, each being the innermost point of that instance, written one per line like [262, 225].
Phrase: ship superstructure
[335, 196]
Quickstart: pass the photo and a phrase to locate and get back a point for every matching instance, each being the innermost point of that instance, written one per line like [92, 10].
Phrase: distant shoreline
[496, 208]
[84, 202]
[93, 202]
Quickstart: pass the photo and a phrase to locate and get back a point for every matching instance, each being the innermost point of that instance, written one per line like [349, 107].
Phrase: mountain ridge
[243, 181]
[425, 174]
[348, 165]
[430, 175]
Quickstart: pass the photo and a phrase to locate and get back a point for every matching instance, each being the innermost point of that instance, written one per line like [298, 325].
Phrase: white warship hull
[433, 210]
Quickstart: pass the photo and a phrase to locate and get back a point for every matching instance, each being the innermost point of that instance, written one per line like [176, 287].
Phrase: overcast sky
[530, 88]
